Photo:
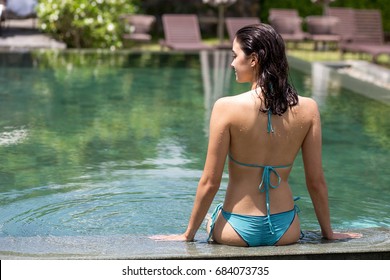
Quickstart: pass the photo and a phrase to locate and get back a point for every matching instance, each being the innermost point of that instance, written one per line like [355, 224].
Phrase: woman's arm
[210, 180]
[315, 179]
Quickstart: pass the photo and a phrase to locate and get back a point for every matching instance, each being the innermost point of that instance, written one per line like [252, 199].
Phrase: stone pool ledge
[365, 78]
[374, 245]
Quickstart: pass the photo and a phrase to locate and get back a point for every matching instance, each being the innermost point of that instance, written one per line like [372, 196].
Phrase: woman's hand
[173, 237]
[344, 235]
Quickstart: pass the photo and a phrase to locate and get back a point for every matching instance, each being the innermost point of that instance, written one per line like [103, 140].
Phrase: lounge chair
[288, 24]
[346, 26]
[283, 13]
[138, 27]
[233, 24]
[182, 32]
[322, 29]
[367, 36]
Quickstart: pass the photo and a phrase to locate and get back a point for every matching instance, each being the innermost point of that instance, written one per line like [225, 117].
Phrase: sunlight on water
[12, 137]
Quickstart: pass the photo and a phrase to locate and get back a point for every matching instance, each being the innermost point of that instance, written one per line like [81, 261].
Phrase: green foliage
[96, 23]
[85, 23]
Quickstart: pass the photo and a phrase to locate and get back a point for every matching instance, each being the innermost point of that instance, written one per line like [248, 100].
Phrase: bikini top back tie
[265, 184]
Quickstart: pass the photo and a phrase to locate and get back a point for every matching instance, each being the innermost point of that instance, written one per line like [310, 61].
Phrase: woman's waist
[253, 188]
[294, 208]
[259, 207]
[257, 181]
[256, 204]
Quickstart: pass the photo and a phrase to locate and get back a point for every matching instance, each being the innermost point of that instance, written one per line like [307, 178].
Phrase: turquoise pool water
[108, 144]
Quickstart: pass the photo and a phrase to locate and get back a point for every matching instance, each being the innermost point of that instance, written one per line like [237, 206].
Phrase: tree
[84, 23]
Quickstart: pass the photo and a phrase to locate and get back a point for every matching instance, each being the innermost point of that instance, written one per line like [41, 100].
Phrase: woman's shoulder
[234, 100]
[307, 100]
[307, 103]
[232, 107]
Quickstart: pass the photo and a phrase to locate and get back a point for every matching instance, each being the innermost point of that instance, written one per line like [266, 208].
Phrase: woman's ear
[254, 60]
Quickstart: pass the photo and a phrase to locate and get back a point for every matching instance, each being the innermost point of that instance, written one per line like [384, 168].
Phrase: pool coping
[374, 245]
[370, 80]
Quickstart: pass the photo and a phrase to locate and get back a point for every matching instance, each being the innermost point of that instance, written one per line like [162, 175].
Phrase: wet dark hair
[272, 76]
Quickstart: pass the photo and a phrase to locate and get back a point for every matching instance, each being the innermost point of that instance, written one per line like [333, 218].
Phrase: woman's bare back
[251, 143]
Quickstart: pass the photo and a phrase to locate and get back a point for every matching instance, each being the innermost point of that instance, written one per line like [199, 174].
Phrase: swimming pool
[101, 144]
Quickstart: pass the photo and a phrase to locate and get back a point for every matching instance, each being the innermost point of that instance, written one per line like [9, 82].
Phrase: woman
[261, 132]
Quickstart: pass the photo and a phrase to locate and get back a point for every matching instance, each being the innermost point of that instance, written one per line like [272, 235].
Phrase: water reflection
[321, 77]
[216, 77]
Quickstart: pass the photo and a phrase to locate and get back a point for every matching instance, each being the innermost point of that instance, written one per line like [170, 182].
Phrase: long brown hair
[272, 75]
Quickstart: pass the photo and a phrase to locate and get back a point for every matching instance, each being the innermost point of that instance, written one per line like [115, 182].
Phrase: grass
[304, 50]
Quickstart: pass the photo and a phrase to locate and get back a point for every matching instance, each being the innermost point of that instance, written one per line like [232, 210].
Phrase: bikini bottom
[257, 230]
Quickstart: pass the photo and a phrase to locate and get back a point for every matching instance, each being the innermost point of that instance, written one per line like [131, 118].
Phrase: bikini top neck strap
[269, 125]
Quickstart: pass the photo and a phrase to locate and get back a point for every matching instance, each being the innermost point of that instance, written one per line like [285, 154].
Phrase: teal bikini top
[265, 183]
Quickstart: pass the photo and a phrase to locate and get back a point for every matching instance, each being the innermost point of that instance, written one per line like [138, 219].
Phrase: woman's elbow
[209, 184]
[316, 184]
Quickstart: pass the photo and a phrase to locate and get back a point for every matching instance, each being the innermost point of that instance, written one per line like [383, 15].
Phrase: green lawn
[307, 52]
[304, 50]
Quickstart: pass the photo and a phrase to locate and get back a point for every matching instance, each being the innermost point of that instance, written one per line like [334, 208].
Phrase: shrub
[85, 23]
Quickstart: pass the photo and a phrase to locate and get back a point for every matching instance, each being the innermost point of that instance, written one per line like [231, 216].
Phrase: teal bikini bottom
[256, 230]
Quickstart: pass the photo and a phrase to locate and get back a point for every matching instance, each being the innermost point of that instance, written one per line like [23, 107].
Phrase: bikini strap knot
[266, 178]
